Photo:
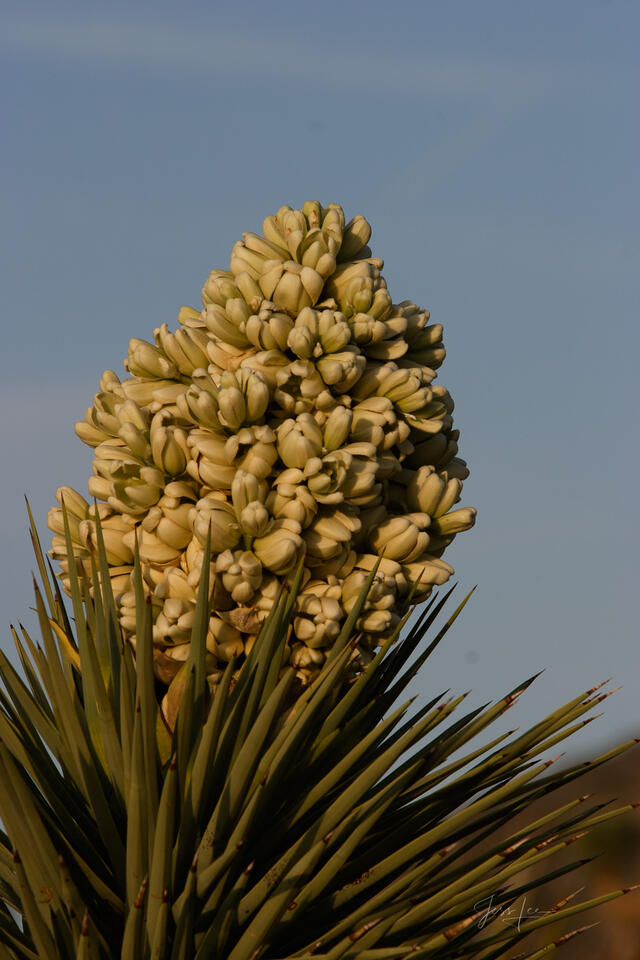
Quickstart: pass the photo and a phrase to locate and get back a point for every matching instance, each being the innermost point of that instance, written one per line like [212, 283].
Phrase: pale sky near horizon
[494, 149]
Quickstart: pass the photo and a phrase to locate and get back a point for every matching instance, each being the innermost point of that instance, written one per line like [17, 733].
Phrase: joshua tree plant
[210, 756]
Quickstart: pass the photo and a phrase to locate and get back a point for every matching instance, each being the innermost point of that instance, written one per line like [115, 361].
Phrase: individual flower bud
[318, 620]
[256, 393]
[356, 236]
[337, 427]
[219, 287]
[437, 450]
[400, 538]
[75, 504]
[427, 570]
[366, 329]
[298, 385]
[302, 342]
[174, 622]
[269, 328]
[250, 291]
[299, 440]
[136, 440]
[189, 315]
[253, 449]
[223, 640]
[381, 596]
[326, 477]
[377, 621]
[254, 519]
[425, 490]
[232, 409]
[335, 332]
[246, 489]
[279, 549]
[303, 656]
[217, 517]
[352, 278]
[199, 406]
[146, 360]
[342, 370]
[241, 574]
[169, 446]
[291, 498]
[454, 522]
[186, 348]
[290, 286]
[130, 412]
[134, 495]
[326, 536]
[174, 524]
[152, 393]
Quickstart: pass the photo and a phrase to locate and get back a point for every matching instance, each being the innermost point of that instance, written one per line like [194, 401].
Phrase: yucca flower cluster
[295, 415]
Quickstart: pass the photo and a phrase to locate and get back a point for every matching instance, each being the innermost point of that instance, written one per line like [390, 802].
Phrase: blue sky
[494, 149]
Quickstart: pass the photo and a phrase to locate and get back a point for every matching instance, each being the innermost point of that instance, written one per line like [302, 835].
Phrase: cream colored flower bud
[299, 440]
[366, 329]
[143, 392]
[356, 236]
[298, 385]
[303, 656]
[289, 285]
[254, 519]
[178, 585]
[250, 291]
[135, 439]
[169, 446]
[360, 486]
[293, 500]
[427, 570]
[200, 407]
[218, 322]
[269, 328]
[425, 490]
[75, 504]
[232, 409]
[376, 621]
[99, 487]
[253, 449]
[350, 279]
[55, 522]
[318, 621]
[455, 522]
[130, 412]
[186, 348]
[337, 427]
[241, 574]
[89, 434]
[114, 532]
[342, 370]
[281, 547]
[133, 495]
[326, 477]
[302, 342]
[218, 517]
[438, 450]
[399, 539]
[246, 489]
[146, 360]
[223, 640]
[174, 527]
[256, 393]
[219, 287]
